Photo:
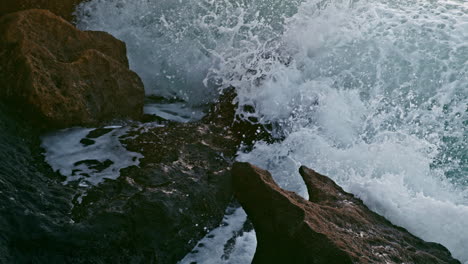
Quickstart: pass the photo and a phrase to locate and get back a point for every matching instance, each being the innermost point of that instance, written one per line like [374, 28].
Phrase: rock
[65, 76]
[63, 8]
[247, 131]
[332, 227]
[158, 211]
[154, 213]
[33, 201]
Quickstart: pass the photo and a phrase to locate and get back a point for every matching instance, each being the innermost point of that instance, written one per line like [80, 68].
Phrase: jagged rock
[158, 211]
[63, 8]
[154, 213]
[65, 76]
[332, 227]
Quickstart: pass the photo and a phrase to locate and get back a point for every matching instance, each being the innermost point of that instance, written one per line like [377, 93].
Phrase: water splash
[372, 93]
[375, 97]
[174, 45]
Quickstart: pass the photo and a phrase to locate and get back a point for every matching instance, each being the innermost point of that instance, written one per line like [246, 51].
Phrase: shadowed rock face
[153, 213]
[65, 76]
[63, 8]
[332, 227]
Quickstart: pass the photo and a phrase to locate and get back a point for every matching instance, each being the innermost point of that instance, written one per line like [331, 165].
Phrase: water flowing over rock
[63, 75]
[332, 227]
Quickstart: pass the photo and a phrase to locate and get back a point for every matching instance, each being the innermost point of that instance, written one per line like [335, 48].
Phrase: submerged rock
[65, 76]
[332, 227]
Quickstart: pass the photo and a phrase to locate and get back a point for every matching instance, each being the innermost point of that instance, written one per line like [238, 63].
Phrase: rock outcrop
[63, 8]
[158, 211]
[153, 213]
[65, 76]
[332, 227]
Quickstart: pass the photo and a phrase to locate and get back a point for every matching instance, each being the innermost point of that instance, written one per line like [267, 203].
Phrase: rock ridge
[331, 227]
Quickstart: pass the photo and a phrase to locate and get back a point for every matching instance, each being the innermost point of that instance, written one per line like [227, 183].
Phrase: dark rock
[247, 131]
[95, 165]
[64, 76]
[32, 197]
[87, 142]
[161, 209]
[63, 8]
[332, 227]
[98, 132]
[154, 213]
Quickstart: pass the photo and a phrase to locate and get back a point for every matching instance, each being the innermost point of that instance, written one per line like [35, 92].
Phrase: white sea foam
[66, 154]
[216, 248]
[372, 93]
[178, 112]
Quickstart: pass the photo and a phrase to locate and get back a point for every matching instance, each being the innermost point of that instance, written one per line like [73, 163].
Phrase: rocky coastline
[55, 76]
[332, 226]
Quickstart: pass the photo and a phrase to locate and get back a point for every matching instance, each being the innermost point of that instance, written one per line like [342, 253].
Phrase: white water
[215, 247]
[372, 93]
[67, 155]
[178, 112]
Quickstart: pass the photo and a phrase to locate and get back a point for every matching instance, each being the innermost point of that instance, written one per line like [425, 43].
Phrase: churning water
[372, 93]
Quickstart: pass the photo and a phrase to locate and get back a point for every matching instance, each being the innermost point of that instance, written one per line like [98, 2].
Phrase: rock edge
[332, 227]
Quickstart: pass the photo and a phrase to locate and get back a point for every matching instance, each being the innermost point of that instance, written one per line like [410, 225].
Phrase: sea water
[373, 94]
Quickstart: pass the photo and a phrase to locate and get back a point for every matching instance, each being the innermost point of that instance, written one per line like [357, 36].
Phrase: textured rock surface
[63, 8]
[154, 213]
[63, 75]
[158, 211]
[33, 202]
[332, 227]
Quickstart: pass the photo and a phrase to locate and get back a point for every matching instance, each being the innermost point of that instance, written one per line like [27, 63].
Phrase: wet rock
[63, 8]
[63, 76]
[159, 211]
[332, 227]
[247, 131]
[32, 198]
[154, 213]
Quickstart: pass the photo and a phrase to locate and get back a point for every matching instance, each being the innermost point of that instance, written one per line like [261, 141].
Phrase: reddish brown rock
[63, 8]
[332, 227]
[66, 76]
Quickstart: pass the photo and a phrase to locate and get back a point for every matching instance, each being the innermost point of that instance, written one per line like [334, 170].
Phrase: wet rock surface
[62, 76]
[159, 210]
[332, 227]
[34, 224]
[154, 213]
